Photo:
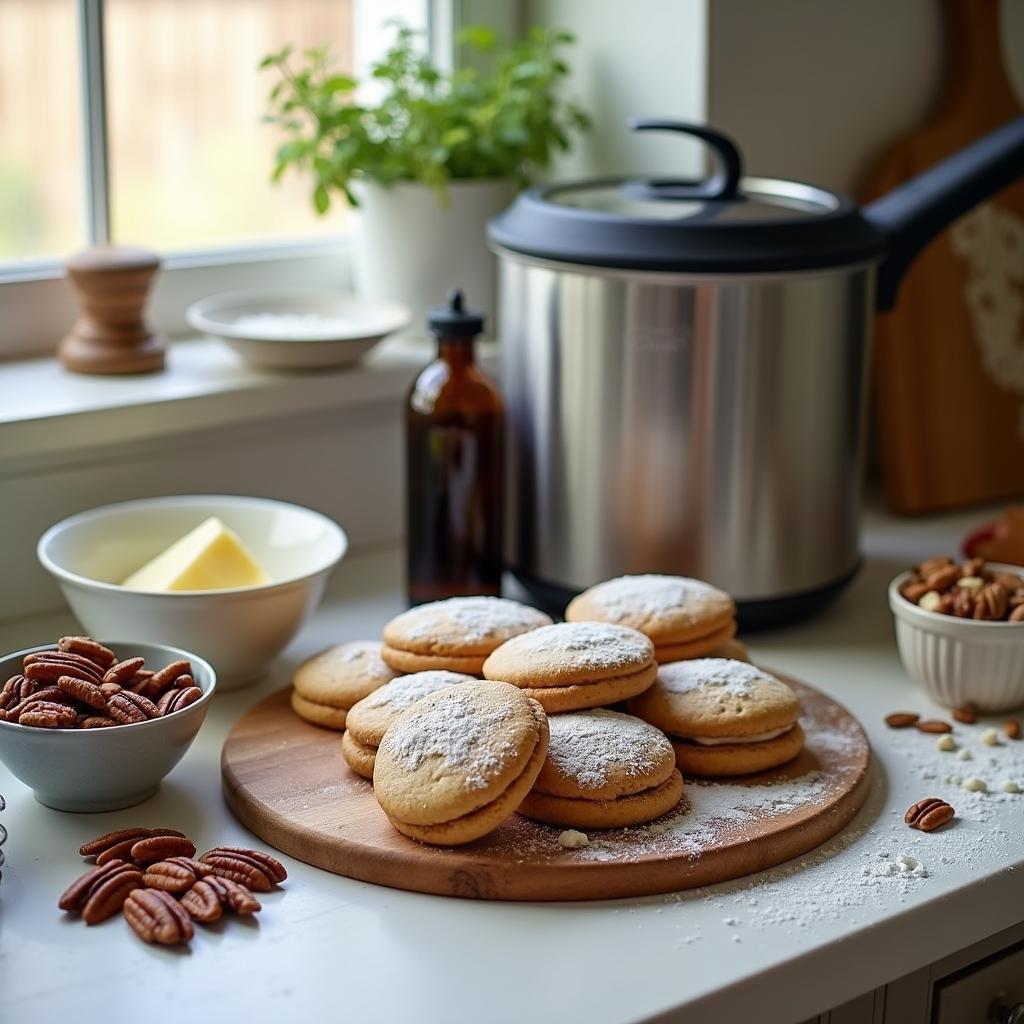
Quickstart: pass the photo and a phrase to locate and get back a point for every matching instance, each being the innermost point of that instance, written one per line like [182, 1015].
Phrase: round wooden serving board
[287, 782]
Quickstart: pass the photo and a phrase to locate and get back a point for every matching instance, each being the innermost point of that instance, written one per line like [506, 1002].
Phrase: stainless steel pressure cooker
[684, 370]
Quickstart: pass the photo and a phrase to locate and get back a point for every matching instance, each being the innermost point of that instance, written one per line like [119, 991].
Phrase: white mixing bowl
[239, 631]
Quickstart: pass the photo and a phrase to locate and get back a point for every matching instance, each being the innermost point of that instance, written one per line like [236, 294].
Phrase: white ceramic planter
[960, 661]
[410, 249]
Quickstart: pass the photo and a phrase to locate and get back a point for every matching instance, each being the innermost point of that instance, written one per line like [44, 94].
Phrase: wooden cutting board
[287, 782]
[949, 359]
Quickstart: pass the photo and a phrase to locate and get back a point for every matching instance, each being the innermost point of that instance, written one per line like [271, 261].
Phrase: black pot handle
[722, 185]
[912, 214]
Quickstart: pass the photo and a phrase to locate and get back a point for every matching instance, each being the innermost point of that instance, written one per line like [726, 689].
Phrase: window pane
[42, 195]
[190, 158]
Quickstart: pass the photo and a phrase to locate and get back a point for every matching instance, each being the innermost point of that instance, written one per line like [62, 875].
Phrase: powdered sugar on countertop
[587, 745]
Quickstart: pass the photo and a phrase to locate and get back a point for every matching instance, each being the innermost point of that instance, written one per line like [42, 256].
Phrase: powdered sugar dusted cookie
[671, 610]
[724, 717]
[574, 665]
[369, 719]
[330, 682]
[604, 770]
[456, 764]
[456, 634]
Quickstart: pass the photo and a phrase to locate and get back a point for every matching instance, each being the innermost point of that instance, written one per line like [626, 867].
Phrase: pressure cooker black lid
[725, 224]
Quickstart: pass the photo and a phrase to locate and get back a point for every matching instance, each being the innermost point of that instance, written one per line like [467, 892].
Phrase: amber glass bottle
[453, 466]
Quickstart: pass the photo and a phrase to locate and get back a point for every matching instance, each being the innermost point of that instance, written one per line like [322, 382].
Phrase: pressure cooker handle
[912, 214]
[723, 184]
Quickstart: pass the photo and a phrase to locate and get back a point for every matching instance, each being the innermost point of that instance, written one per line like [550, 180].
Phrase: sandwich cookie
[456, 634]
[685, 618]
[604, 770]
[575, 665]
[459, 762]
[723, 717]
[369, 719]
[329, 683]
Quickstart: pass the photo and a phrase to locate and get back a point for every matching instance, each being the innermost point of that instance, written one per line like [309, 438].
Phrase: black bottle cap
[454, 320]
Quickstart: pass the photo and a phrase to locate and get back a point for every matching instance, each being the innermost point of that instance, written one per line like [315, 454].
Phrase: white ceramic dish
[238, 631]
[960, 661]
[104, 769]
[296, 330]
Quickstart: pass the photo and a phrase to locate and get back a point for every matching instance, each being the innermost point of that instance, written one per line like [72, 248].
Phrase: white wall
[632, 58]
[818, 89]
[812, 89]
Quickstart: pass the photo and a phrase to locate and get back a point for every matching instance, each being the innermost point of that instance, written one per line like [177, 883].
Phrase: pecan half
[934, 725]
[95, 722]
[75, 895]
[46, 715]
[930, 814]
[254, 869]
[60, 658]
[991, 601]
[107, 897]
[171, 876]
[234, 895]
[169, 673]
[109, 689]
[1011, 727]
[901, 719]
[966, 714]
[48, 694]
[84, 691]
[51, 671]
[178, 700]
[930, 566]
[973, 567]
[1017, 615]
[160, 847]
[155, 916]
[963, 604]
[942, 578]
[914, 591]
[202, 902]
[129, 708]
[105, 842]
[88, 648]
[122, 671]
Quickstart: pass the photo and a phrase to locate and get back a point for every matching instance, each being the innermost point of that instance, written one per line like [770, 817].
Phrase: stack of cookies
[684, 618]
[723, 717]
[451, 756]
[327, 685]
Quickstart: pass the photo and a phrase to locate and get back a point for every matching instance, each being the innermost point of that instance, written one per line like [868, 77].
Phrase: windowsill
[49, 414]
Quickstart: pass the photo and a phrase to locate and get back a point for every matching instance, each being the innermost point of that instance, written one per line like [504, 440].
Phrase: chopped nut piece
[945, 742]
[931, 602]
[990, 738]
[1009, 786]
[975, 785]
[970, 582]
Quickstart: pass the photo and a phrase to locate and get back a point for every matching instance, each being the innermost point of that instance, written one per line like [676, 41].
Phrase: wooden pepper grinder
[111, 284]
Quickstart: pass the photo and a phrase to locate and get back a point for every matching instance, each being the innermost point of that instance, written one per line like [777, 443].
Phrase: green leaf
[480, 37]
[321, 199]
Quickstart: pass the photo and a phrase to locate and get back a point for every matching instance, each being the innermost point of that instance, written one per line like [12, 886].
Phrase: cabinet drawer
[965, 997]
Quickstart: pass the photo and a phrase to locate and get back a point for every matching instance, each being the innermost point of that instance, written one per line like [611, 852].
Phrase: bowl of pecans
[91, 726]
[960, 631]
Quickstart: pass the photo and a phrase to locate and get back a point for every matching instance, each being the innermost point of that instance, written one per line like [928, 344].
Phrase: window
[139, 122]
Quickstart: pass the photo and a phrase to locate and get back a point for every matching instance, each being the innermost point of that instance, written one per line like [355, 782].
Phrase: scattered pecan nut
[1011, 727]
[120, 844]
[202, 902]
[934, 725]
[966, 714]
[156, 916]
[901, 719]
[254, 869]
[175, 875]
[75, 895]
[160, 847]
[930, 814]
[107, 896]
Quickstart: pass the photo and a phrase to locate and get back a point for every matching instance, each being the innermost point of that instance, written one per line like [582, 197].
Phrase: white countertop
[776, 947]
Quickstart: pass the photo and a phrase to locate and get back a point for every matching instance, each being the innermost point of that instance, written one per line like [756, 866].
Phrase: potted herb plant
[432, 159]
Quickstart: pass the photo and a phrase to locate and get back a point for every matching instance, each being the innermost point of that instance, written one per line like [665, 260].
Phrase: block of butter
[210, 557]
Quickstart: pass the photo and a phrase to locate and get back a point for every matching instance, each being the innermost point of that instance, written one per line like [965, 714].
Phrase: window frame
[36, 301]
